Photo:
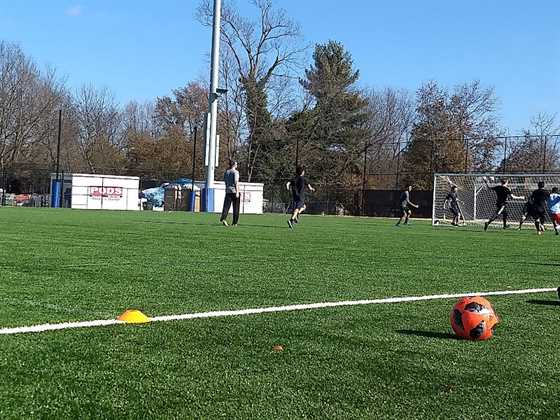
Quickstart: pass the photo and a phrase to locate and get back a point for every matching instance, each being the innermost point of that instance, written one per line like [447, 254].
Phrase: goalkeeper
[452, 203]
[503, 194]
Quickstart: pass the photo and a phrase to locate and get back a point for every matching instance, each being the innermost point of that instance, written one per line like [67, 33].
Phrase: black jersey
[452, 198]
[298, 188]
[502, 194]
[539, 199]
[405, 199]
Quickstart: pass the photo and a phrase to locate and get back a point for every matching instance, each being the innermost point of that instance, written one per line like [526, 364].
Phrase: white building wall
[252, 197]
[107, 192]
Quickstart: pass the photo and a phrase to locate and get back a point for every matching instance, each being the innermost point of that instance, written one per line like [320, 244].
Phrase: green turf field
[379, 361]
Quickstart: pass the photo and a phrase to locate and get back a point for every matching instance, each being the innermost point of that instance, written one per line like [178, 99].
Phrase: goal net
[477, 201]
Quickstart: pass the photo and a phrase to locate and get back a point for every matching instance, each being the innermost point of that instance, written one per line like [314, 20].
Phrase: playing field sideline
[375, 361]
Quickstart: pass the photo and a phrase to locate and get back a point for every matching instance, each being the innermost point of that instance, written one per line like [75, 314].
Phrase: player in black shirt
[539, 198]
[405, 205]
[452, 203]
[503, 194]
[298, 186]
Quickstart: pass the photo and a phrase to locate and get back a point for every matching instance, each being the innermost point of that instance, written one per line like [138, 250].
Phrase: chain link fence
[384, 173]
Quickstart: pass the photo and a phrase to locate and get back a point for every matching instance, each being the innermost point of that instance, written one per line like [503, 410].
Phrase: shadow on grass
[544, 302]
[429, 334]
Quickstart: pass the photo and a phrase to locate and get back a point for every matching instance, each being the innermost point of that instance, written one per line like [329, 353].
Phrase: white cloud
[74, 11]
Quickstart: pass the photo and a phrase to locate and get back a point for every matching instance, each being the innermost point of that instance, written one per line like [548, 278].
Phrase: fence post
[364, 180]
[61, 196]
[4, 186]
[466, 142]
[544, 154]
[505, 155]
[297, 151]
[398, 169]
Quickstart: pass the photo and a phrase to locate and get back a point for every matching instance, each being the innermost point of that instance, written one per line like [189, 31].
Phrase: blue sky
[143, 49]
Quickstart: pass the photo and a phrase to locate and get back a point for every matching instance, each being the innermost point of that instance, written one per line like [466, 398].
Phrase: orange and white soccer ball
[474, 318]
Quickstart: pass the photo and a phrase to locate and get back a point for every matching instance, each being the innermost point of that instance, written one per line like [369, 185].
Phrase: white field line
[255, 311]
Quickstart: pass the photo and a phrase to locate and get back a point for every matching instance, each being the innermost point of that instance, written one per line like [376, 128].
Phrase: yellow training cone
[133, 316]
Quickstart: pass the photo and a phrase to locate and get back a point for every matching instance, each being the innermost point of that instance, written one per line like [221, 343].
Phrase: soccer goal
[477, 201]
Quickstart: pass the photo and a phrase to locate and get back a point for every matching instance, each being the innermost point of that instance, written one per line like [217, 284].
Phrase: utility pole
[297, 151]
[58, 143]
[544, 154]
[213, 108]
[364, 178]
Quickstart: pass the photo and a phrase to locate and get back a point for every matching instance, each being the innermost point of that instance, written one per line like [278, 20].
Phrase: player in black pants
[539, 198]
[503, 194]
[527, 208]
[297, 186]
[452, 201]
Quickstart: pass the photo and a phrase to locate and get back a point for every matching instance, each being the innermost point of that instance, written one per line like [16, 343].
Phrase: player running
[452, 203]
[527, 208]
[503, 194]
[406, 204]
[554, 208]
[297, 186]
[539, 198]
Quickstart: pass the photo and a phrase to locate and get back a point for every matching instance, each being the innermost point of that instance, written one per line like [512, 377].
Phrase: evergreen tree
[338, 129]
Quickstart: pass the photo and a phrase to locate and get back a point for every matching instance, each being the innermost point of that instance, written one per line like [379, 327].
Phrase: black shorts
[537, 213]
[298, 203]
[501, 207]
[405, 209]
[454, 210]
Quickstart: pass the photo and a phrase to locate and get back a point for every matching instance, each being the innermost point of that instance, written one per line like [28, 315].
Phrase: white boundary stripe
[62, 326]
[255, 311]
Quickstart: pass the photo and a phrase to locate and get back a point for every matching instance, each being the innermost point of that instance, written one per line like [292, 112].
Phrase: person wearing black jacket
[539, 198]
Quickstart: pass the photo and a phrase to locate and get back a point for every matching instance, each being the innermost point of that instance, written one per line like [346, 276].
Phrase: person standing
[231, 179]
[406, 205]
[452, 201]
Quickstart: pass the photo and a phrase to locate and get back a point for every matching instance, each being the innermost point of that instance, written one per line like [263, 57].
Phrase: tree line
[279, 111]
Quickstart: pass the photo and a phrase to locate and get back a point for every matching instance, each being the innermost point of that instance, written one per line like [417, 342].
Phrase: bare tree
[139, 118]
[184, 110]
[262, 51]
[391, 115]
[455, 131]
[98, 121]
[539, 148]
[544, 125]
[233, 104]
[28, 102]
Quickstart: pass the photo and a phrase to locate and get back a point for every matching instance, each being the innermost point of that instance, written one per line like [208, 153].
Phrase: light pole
[208, 203]
[193, 193]
[56, 186]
